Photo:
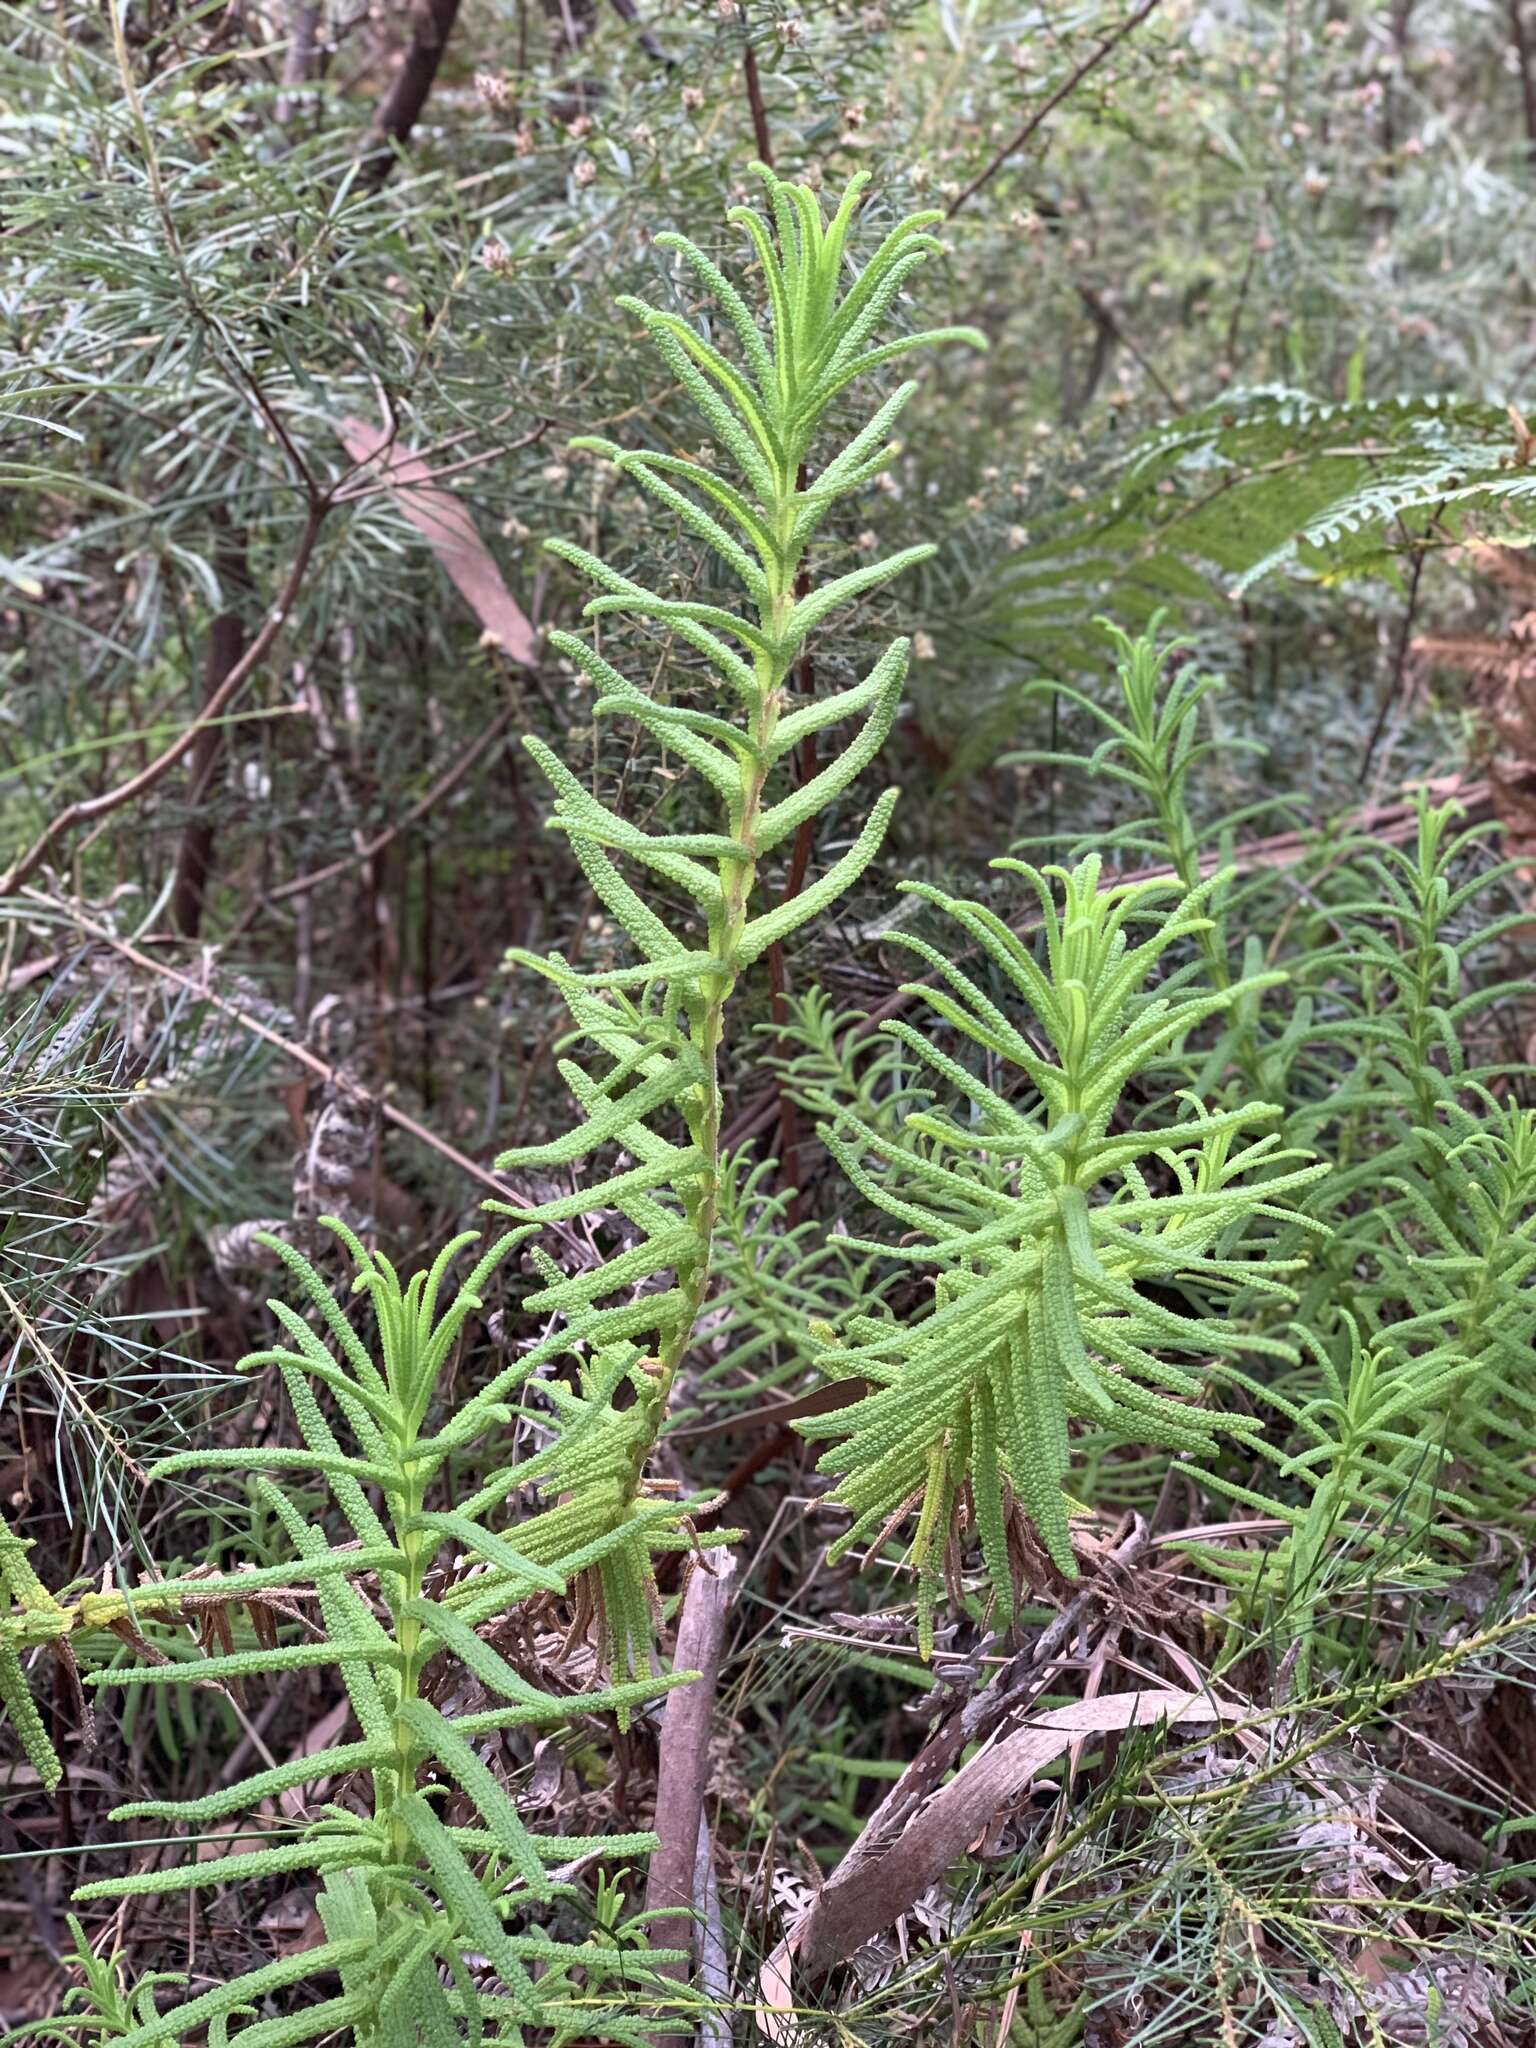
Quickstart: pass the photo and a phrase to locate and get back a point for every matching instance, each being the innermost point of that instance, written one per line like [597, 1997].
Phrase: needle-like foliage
[650, 1088]
[416, 1906]
[1054, 1229]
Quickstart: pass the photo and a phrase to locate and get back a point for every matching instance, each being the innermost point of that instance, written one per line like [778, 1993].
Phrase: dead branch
[682, 1777]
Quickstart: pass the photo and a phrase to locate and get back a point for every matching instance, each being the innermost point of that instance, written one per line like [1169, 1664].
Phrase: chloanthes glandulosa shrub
[1171, 1178]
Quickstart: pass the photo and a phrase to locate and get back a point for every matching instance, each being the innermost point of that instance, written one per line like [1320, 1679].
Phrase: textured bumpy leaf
[463, 1893]
[441, 1740]
[323, 1463]
[314, 2023]
[494, 1549]
[247, 1664]
[776, 925]
[809, 613]
[249, 1867]
[1043, 1230]
[268, 1784]
[782, 818]
[607, 1122]
[348, 1617]
[243, 1991]
[605, 1699]
[17, 1575]
[26, 1720]
[319, 1435]
[414, 2011]
[492, 1669]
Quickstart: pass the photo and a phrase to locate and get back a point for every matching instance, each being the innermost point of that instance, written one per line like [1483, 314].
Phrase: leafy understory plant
[425, 1910]
[436, 1920]
[650, 1088]
[1155, 738]
[1159, 740]
[1055, 1228]
[1401, 1436]
[1415, 1442]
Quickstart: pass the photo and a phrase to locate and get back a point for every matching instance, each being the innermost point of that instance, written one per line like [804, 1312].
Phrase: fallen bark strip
[682, 1777]
[857, 1902]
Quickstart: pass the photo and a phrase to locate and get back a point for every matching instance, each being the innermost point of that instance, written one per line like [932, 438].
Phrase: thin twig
[1063, 91]
[1110, 323]
[65, 1386]
[299, 1054]
[627, 11]
[86, 809]
[1389, 695]
[234, 364]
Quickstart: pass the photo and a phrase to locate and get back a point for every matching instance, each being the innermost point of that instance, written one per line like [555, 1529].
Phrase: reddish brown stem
[755, 102]
[400, 109]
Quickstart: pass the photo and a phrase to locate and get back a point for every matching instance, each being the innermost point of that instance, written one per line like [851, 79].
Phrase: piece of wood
[682, 1776]
[865, 1895]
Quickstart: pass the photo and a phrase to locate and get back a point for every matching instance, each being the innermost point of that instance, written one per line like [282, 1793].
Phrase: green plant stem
[738, 878]
[416, 1548]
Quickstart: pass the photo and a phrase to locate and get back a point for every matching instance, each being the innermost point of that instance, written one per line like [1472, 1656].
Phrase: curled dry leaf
[442, 519]
[864, 1895]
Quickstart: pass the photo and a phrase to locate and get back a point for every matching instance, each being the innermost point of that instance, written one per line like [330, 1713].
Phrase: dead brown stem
[682, 1777]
